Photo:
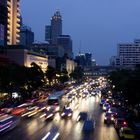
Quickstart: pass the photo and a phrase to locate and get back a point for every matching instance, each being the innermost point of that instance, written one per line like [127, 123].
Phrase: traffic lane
[35, 128]
[29, 129]
[74, 131]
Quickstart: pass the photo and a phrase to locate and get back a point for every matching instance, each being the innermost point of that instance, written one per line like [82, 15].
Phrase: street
[36, 128]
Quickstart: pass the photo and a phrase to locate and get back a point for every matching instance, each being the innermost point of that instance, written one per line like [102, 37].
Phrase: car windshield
[108, 114]
[53, 102]
[107, 105]
[120, 121]
[113, 109]
[67, 110]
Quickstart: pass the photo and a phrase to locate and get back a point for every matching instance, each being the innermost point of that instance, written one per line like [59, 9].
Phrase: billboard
[1, 35]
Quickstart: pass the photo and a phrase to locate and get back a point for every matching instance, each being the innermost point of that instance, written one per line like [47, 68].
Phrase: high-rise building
[13, 27]
[66, 42]
[88, 59]
[3, 22]
[26, 36]
[84, 60]
[48, 33]
[56, 26]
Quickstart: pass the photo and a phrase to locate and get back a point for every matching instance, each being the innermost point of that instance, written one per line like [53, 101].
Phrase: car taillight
[124, 123]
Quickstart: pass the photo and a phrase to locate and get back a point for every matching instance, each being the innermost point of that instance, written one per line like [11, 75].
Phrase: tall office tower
[56, 25]
[88, 57]
[26, 36]
[3, 22]
[48, 33]
[66, 42]
[13, 27]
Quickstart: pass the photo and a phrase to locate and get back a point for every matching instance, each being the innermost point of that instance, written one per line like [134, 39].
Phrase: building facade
[70, 65]
[53, 51]
[3, 22]
[48, 34]
[26, 36]
[56, 26]
[13, 22]
[66, 42]
[128, 54]
[84, 60]
[26, 57]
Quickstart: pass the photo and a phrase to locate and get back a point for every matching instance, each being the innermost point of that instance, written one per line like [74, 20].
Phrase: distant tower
[48, 33]
[13, 28]
[56, 25]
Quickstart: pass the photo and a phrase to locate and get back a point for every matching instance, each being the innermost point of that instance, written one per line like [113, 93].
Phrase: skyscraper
[26, 36]
[66, 42]
[56, 26]
[13, 27]
[3, 22]
[48, 33]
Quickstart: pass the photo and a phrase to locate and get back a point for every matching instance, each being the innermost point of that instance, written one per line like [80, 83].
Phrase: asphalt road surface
[36, 128]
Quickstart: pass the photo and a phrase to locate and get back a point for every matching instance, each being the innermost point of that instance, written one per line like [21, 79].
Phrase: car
[18, 111]
[89, 125]
[120, 122]
[126, 133]
[31, 111]
[53, 134]
[106, 106]
[48, 115]
[92, 93]
[8, 122]
[67, 112]
[102, 101]
[108, 118]
[85, 94]
[114, 111]
[136, 128]
[82, 116]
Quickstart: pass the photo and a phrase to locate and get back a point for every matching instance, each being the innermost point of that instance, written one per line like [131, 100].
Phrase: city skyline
[95, 26]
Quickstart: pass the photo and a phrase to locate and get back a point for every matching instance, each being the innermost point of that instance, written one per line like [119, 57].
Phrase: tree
[50, 73]
[127, 81]
[63, 76]
[77, 74]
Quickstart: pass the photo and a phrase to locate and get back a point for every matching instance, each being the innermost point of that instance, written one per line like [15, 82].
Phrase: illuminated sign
[41, 61]
[32, 58]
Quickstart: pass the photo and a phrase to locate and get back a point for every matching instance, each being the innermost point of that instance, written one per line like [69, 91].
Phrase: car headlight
[49, 116]
[78, 118]
[69, 114]
[62, 114]
[112, 118]
[57, 108]
[104, 108]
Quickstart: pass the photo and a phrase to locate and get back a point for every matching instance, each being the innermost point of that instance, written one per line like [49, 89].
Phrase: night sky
[95, 26]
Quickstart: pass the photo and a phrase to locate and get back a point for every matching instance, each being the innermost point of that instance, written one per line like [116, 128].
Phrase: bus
[56, 101]
[8, 122]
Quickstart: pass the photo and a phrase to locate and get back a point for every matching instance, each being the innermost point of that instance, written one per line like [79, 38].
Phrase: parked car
[120, 122]
[126, 133]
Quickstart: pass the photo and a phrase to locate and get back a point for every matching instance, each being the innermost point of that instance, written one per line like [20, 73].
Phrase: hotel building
[13, 22]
